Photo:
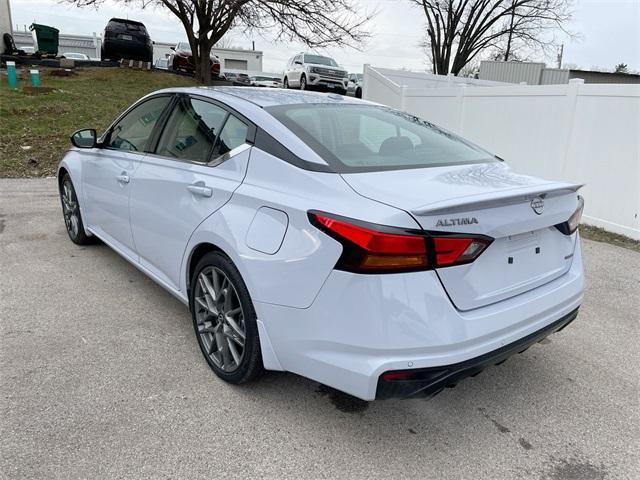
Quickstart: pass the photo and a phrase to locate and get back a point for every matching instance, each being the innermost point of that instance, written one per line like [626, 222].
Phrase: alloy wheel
[70, 208]
[220, 320]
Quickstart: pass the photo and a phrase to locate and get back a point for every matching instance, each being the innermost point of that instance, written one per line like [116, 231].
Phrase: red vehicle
[182, 60]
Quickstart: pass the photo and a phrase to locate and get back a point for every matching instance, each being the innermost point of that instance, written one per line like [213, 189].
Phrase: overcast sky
[609, 30]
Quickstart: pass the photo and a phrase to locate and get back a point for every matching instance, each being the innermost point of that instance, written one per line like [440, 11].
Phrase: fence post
[460, 98]
[97, 47]
[365, 76]
[573, 89]
[403, 98]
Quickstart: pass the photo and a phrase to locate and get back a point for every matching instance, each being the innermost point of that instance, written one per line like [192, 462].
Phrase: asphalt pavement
[101, 377]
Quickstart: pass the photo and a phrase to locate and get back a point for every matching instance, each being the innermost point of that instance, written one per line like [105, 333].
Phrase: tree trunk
[202, 61]
[440, 64]
[507, 51]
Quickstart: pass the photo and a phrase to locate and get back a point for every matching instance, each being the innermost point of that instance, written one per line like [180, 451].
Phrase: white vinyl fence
[582, 133]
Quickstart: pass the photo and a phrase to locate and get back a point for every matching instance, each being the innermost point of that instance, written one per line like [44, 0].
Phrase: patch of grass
[601, 235]
[35, 129]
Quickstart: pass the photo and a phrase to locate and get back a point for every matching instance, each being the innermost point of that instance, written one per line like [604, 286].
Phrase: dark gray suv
[126, 39]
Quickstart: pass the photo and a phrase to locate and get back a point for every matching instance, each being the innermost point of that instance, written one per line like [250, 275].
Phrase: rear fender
[291, 269]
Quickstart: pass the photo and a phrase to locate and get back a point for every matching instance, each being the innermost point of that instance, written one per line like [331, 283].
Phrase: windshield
[365, 138]
[320, 60]
[184, 46]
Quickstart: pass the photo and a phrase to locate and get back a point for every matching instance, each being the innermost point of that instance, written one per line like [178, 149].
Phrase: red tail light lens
[572, 224]
[399, 375]
[456, 250]
[373, 250]
[370, 248]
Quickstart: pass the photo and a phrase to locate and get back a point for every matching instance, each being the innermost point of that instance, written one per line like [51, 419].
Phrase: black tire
[71, 212]
[358, 92]
[286, 82]
[303, 82]
[250, 366]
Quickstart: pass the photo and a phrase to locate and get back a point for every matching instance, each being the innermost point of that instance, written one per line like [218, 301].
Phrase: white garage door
[232, 64]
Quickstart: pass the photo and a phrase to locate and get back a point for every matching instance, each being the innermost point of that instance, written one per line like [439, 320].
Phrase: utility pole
[560, 56]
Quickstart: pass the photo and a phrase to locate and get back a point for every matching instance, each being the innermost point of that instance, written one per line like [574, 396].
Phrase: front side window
[191, 130]
[360, 138]
[132, 132]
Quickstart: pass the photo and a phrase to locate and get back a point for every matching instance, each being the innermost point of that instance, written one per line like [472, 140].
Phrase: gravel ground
[101, 377]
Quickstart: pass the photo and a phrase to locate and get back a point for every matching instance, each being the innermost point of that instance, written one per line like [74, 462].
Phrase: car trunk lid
[519, 212]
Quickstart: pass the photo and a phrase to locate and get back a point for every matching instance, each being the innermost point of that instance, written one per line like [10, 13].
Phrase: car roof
[272, 97]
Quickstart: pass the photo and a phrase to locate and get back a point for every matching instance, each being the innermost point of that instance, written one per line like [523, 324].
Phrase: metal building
[538, 74]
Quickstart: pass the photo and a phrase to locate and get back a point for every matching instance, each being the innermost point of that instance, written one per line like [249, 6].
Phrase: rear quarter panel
[294, 274]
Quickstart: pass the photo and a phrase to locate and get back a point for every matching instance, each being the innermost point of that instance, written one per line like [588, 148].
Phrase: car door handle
[123, 178]
[201, 190]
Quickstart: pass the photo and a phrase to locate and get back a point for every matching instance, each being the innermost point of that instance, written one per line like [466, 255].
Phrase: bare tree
[459, 30]
[621, 68]
[315, 23]
[224, 42]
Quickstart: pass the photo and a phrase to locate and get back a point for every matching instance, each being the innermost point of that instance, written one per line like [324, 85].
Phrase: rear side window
[233, 135]
[191, 131]
[132, 131]
[365, 138]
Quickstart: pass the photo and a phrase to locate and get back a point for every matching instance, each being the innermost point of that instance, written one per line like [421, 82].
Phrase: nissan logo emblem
[537, 205]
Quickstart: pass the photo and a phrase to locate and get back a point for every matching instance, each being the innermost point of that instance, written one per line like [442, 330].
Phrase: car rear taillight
[371, 248]
[571, 225]
[458, 249]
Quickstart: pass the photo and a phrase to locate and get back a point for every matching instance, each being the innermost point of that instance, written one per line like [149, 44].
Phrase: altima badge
[453, 222]
[537, 205]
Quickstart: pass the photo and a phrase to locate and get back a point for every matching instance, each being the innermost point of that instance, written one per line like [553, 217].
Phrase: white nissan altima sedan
[341, 240]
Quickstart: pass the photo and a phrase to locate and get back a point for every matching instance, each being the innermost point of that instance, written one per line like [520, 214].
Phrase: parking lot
[101, 376]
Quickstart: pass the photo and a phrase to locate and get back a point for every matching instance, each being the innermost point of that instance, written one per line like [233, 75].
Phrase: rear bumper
[360, 326]
[130, 50]
[430, 381]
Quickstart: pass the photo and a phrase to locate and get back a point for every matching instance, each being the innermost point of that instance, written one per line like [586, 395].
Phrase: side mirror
[297, 62]
[85, 138]
[173, 48]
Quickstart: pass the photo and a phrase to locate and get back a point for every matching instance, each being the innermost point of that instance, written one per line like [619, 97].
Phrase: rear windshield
[365, 138]
[124, 24]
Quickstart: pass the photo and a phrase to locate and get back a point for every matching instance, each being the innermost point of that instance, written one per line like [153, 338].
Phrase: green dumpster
[45, 38]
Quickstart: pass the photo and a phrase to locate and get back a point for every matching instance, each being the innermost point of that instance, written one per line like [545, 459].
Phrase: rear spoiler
[496, 199]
